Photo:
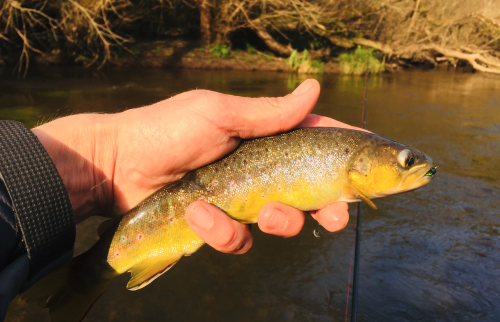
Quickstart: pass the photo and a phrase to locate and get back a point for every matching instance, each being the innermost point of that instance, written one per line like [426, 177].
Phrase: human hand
[120, 159]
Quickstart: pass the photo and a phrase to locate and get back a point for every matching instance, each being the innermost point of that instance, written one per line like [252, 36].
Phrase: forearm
[82, 149]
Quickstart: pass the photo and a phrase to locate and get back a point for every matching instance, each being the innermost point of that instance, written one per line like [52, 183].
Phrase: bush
[355, 63]
[220, 50]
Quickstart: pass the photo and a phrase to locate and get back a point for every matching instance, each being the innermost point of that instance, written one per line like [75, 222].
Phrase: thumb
[246, 117]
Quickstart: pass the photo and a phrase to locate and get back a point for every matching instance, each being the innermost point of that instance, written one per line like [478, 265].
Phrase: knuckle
[272, 102]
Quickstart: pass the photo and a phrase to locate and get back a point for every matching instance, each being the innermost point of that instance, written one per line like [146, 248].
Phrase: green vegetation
[355, 63]
[306, 64]
[220, 50]
[293, 60]
[250, 49]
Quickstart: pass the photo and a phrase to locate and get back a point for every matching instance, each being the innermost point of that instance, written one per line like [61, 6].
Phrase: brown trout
[306, 168]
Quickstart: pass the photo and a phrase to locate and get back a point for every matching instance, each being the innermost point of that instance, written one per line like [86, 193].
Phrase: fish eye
[406, 158]
[410, 161]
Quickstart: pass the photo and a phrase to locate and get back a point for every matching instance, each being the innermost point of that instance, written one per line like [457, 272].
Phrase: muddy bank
[189, 55]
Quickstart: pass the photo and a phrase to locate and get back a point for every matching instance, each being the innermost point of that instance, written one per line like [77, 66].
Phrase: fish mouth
[424, 174]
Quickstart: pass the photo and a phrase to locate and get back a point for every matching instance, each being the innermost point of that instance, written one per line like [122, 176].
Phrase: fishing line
[355, 279]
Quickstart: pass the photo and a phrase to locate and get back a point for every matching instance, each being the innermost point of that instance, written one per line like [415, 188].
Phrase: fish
[307, 168]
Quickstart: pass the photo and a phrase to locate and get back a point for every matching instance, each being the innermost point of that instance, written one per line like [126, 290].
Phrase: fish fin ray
[149, 270]
[361, 196]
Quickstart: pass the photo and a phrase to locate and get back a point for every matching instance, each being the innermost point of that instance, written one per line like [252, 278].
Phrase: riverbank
[189, 55]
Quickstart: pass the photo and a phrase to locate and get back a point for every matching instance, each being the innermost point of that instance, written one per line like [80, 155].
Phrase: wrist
[83, 150]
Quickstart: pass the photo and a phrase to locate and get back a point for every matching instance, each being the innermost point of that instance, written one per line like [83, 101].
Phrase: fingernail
[277, 219]
[201, 217]
[304, 87]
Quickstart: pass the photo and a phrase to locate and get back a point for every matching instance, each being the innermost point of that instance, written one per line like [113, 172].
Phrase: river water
[428, 255]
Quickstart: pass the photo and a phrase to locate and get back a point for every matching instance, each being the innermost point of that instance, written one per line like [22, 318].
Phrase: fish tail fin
[64, 302]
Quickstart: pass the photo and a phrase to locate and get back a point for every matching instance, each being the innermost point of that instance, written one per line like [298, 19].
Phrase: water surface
[429, 255]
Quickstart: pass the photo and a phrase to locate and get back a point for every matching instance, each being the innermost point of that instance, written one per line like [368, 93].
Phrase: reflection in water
[432, 254]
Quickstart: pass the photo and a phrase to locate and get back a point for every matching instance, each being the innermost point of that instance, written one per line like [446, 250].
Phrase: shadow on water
[429, 255]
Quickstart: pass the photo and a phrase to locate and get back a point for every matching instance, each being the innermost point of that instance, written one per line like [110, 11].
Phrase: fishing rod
[355, 278]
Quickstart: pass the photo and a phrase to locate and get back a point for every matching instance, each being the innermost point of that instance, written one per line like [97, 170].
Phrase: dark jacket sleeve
[14, 263]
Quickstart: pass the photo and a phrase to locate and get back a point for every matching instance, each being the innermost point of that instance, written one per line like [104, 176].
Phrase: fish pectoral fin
[149, 270]
[361, 196]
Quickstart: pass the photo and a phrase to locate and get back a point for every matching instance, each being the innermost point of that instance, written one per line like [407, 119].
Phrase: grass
[354, 63]
[306, 64]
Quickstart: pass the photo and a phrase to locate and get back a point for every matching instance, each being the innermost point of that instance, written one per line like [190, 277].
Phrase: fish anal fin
[356, 193]
[149, 270]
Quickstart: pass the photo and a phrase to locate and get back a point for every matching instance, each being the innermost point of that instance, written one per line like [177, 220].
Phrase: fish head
[388, 168]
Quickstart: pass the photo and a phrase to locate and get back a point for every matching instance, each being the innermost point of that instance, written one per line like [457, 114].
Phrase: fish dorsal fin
[361, 196]
[149, 270]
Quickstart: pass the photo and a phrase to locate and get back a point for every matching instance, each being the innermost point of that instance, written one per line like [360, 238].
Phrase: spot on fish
[122, 238]
[244, 162]
[286, 154]
[182, 200]
[225, 164]
[267, 150]
[216, 169]
[139, 237]
[232, 185]
[202, 199]
[279, 189]
[215, 182]
[249, 179]
[152, 217]
[361, 160]
[319, 146]
[330, 157]
[321, 172]
[337, 143]
[171, 219]
[234, 159]
[346, 151]
[289, 179]
[117, 254]
[262, 195]
[278, 167]
[266, 177]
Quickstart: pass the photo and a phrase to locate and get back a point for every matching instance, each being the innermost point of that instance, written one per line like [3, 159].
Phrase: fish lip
[424, 179]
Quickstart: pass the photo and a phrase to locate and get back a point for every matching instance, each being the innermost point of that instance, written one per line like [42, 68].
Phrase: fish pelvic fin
[149, 270]
[65, 304]
[359, 195]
